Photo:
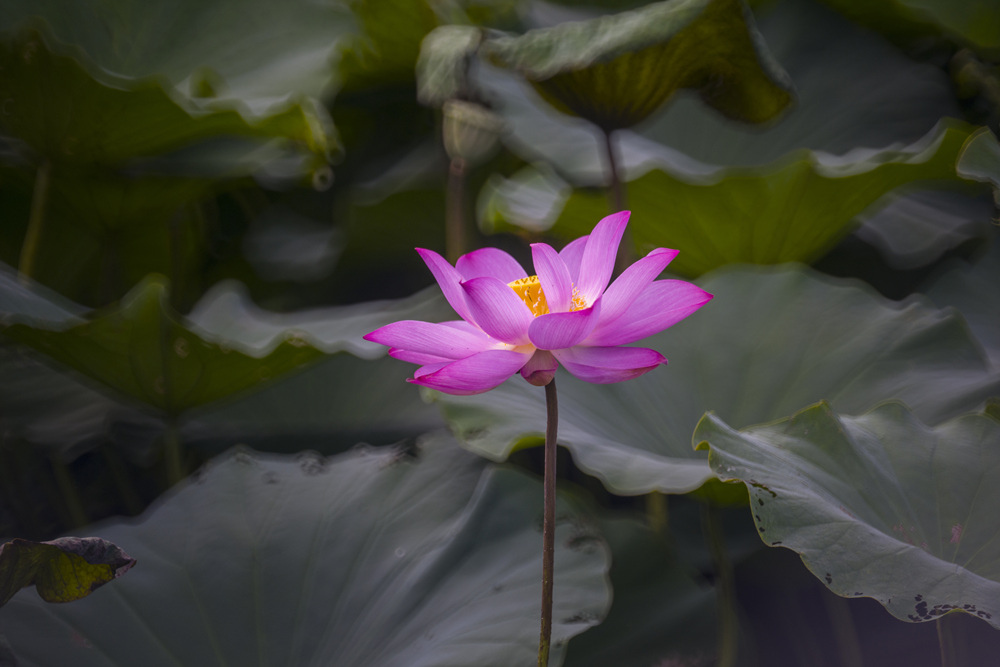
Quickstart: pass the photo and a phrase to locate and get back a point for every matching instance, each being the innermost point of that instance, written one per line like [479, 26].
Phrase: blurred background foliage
[204, 205]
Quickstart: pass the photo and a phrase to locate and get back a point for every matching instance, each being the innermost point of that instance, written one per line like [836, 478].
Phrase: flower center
[530, 291]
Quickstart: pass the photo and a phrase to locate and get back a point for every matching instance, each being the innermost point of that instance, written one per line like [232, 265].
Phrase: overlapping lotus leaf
[363, 559]
[878, 505]
[146, 351]
[771, 341]
[617, 70]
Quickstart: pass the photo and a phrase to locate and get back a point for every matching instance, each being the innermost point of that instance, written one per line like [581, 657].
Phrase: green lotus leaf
[852, 91]
[878, 505]
[619, 69]
[917, 226]
[350, 395]
[980, 160]
[772, 341]
[363, 559]
[660, 610]
[442, 69]
[793, 210]
[70, 111]
[142, 349]
[973, 24]
[63, 570]
[385, 52]
[973, 291]
[252, 53]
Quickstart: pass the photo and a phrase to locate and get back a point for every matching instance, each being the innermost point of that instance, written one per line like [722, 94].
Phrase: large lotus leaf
[975, 24]
[252, 52]
[852, 91]
[917, 226]
[793, 210]
[62, 570]
[661, 612]
[973, 291]
[980, 160]
[104, 230]
[336, 402]
[617, 70]
[71, 112]
[385, 52]
[879, 505]
[142, 349]
[771, 341]
[364, 559]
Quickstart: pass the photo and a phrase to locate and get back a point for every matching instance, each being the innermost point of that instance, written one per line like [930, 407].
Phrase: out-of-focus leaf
[348, 397]
[63, 570]
[917, 226]
[879, 505]
[660, 611]
[364, 559]
[975, 23]
[385, 52]
[973, 290]
[852, 91]
[980, 160]
[71, 112]
[617, 70]
[794, 210]
[442, 69]
[770, 342]
[142, 349]
[253, 54]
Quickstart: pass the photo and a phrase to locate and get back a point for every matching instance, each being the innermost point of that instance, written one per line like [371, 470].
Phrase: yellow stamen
[530, 291]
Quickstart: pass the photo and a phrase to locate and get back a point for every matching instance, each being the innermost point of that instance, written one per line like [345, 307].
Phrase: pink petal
[626, 287]
[473, 375]
[490, 262]
[558, 330]
[498, 310]
[604, 365]
[434, 339]
[599, 256]
[553, 276]
[448, 280]
[540, 369]
[661, 305]
[572, 254]
[417, 357]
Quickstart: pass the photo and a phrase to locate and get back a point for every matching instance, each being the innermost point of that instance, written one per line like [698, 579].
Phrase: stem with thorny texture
[549, 521]
[36, 220]
[455, 210]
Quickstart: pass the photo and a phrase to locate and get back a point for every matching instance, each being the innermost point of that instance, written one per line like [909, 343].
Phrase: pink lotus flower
[566, 314]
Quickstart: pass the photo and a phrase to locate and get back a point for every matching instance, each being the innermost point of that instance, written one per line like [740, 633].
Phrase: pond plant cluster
[226, 226]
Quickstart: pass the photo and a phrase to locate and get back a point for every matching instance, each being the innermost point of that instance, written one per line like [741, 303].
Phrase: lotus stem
[729, 627]
[657, 512]
[616, 189]
[36, 221]
[172, 454]
[844, 631]
[67, 489]
[548, 521]
[616, 201]
[455, 210]
[946, 641]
